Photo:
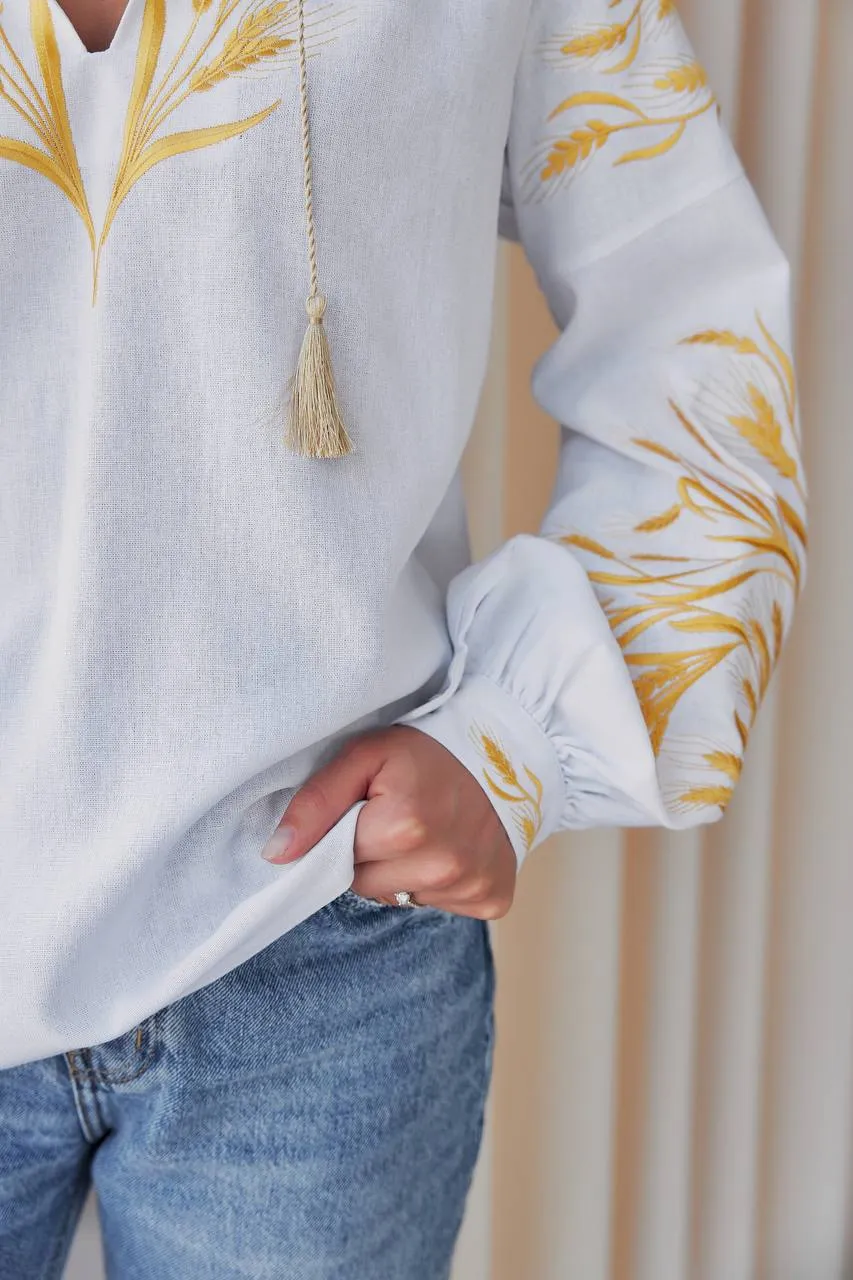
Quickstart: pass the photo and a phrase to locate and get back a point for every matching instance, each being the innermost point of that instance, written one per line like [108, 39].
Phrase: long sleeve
[609, 670]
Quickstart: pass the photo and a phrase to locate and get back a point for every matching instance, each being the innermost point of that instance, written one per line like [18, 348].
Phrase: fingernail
[278, 844]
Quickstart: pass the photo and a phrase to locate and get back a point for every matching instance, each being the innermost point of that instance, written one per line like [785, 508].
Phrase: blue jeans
[313, 1115]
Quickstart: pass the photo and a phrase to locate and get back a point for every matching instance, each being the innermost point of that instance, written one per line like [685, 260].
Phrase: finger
[322, 801]
[388, 827]
[437, 880]
[429, 877]
[476, 909]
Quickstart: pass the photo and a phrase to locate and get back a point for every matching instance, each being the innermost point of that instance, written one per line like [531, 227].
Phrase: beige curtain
[674, 1068]
[672, 1096]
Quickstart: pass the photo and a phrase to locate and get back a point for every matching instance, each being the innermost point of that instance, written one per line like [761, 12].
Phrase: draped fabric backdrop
[674, 1067]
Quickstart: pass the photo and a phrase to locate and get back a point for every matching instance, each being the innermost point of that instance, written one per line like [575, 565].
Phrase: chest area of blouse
[397, 89]
[172, 63]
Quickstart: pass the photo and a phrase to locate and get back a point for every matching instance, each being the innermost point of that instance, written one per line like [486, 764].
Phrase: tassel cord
[315, 426]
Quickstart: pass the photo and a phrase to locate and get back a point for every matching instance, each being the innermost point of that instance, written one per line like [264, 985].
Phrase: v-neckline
[73, 34]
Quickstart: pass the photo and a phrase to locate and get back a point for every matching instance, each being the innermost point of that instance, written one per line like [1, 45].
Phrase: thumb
[321, 802]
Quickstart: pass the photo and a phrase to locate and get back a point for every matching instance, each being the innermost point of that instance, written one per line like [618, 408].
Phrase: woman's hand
[428, 826]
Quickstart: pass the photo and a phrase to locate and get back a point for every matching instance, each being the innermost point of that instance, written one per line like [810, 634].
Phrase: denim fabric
[313, 1115]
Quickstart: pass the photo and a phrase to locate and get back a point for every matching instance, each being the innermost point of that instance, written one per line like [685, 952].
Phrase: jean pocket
[349, 900]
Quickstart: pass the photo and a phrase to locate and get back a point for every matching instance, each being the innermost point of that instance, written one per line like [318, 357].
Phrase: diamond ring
[405, 899]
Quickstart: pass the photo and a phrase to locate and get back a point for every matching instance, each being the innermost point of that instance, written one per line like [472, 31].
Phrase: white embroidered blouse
[193, 617]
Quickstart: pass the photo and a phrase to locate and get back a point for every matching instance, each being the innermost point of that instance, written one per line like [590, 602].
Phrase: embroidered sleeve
[640, 630]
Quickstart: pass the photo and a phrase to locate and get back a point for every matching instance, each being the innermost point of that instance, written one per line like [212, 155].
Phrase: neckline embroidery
[224, 39]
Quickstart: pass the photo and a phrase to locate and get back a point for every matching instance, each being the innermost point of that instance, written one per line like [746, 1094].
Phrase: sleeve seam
[611, 250]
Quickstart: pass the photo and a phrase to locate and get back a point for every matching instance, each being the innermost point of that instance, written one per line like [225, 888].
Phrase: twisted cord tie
[315, 426]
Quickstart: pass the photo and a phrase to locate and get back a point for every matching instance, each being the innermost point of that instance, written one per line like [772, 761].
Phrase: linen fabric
[194, 618]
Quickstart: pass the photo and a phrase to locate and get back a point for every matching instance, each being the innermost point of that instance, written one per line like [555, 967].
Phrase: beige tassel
[315, 427]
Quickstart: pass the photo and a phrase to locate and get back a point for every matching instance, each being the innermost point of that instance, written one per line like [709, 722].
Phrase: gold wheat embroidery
[613, 46]
[504, 782]
[661, 101]
[601, 42]
[225, 38]
[648, 593]
[45, 112]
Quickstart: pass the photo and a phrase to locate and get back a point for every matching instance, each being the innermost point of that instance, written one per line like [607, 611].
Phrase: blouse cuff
[504, 748]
